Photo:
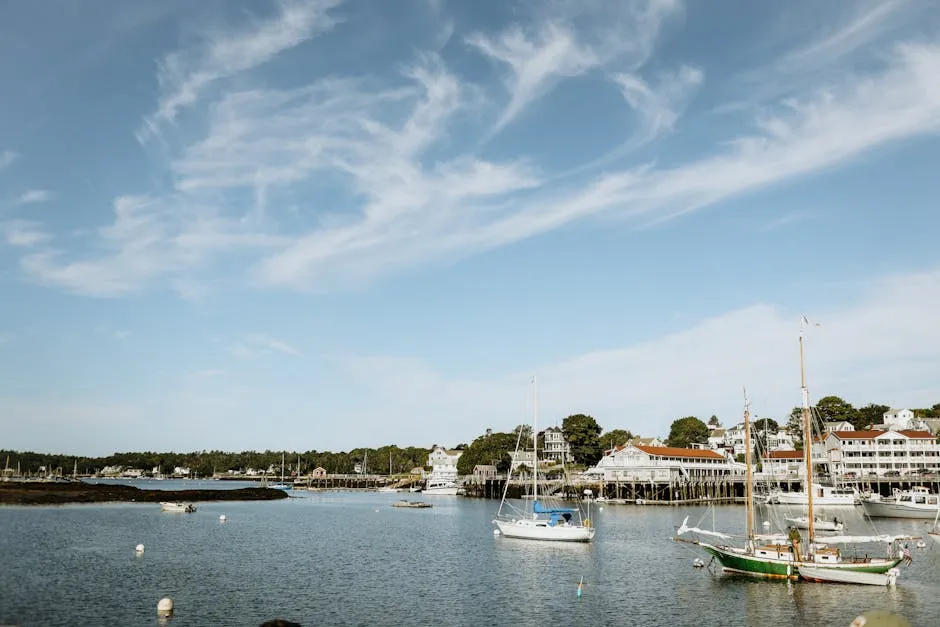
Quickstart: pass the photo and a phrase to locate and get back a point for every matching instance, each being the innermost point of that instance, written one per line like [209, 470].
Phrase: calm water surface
[352, 559]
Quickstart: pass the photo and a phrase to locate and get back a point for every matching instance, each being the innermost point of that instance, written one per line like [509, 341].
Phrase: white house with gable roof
[443, 463]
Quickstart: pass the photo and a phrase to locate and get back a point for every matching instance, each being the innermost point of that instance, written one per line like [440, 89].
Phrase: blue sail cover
[538, 509]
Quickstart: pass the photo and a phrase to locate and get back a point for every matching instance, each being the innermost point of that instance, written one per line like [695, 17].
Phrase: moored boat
[543, 522]
[177, 506]
[820, 524]
[918, 502]
[412, 504]
[834, 575]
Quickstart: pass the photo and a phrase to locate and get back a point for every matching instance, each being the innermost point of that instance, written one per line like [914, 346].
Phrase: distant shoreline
[58, 493]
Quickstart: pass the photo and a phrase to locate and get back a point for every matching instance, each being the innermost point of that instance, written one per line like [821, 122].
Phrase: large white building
[732, 439]
[556, 447]
[443, 463]
[660, 463]
[875, 452]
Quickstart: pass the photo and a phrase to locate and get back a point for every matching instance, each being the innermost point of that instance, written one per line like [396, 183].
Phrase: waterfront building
[838, 425]
[443, 463]
[556, 448]
[880, 453]
[661, 463]
[483, 472]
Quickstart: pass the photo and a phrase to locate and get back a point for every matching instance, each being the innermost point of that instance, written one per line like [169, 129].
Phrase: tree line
[383, 460]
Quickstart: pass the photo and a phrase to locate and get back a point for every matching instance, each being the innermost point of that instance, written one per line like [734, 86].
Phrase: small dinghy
[819, 524]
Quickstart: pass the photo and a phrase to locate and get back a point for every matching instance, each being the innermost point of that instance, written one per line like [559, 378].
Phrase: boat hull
[819, 525]
[186, 508]
[776, 568]
[891, 509]
[800, 498]
[532, 530]
[841, 575]
[449, 491]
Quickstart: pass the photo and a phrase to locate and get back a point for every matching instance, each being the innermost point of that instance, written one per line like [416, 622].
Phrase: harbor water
[343, 558]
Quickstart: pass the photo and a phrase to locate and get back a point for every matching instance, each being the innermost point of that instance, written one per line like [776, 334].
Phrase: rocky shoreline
[60, 493]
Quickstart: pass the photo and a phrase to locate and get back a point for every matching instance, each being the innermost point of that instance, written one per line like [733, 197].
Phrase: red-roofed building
[872, 452]
[661, 463]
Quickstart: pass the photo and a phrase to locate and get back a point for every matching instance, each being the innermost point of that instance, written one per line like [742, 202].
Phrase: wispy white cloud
[549, 50]
[786, 219]
[121, 334]
[868, 21]
[7, 157]
[406, 202]
[635, 386]
[659, 106]
[536, 63]
[35, 196]
[208, 373]
[259, 344]
[23, 233]
[184, 75]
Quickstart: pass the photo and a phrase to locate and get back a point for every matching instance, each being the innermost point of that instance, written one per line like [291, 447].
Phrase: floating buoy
[222, 518]
[376, 511]
[766, 524]
[698, 563]
[921, 544]
[165, 606]
[601, 508]
[139, 548]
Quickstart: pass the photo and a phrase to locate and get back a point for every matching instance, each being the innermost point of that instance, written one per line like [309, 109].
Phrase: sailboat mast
[535, 441]
[807, 449]
[748, 496]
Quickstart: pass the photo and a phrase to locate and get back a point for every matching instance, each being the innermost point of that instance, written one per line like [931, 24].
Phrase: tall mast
[535, 441]
[807, 448]
[747, 460]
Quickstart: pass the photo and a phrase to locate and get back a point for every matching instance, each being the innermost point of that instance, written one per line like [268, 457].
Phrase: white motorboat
[177, 506]
[819, 524]
[841, 575]
[441, 487]
[823, 496]
[386, 488]
[918, 502]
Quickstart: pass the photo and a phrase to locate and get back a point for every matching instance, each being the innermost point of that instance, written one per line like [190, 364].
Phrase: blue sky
[327, 224]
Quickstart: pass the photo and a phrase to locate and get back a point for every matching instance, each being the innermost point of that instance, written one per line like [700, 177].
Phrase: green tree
[615, 437]
[492, 448]
[713, 422]
[686, 431]
[582, 433]
[870, 414]
[834, 409]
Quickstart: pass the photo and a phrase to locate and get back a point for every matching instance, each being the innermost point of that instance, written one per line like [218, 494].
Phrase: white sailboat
[281, 485]
[544, 522]
[934, 533]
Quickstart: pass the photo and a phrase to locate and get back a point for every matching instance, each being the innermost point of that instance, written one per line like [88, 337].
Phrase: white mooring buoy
[766, 524]
[139, 548]
[222, 518]
[165, 606]
[698, 563]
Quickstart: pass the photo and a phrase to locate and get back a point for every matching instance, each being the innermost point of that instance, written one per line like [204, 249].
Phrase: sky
[286, 224]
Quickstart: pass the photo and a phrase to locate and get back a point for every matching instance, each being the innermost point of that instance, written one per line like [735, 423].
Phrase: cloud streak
[7, 157]
[183, 77]
[34, 196]
[259, 344]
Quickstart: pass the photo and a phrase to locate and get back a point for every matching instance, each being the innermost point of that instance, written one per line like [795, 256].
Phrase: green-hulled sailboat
[779, 556]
